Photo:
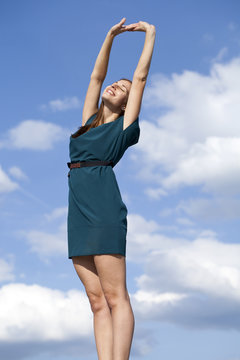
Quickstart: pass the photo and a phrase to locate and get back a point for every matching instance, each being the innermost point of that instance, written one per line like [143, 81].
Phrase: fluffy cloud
[61, 105]
[47, 244]
[6, 184]
[34, 135]
[190, 283]
[195, 139]
[204, 265]
[211, 209]
[16, 172]
[52, 242]
[34, 318]
[194, 283]
[37, 313]
[214, 163]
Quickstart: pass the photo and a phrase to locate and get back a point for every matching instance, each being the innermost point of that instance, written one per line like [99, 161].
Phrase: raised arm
[100, 70]
[140, 75]
[101, 65]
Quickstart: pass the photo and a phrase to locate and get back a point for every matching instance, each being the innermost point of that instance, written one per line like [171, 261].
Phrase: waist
[80, 164]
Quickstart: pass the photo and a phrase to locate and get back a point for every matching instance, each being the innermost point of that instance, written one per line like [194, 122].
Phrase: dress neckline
[110, 122]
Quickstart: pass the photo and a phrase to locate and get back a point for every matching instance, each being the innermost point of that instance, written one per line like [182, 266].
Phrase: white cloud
[152, 297]
[34, 135]
[220, 55]
[215, 164]
[47, 244]
[213, 209]
[145, 237]
[16, 172]
[189, 282]
[195, 140]
[192, 283]
[37, 313]
[204, 265]
[57, 213]
[6, 184]
[50, 242]
[154, 193]
[61, 105]
[185, 221]
[34, 318]
[6, 271]
[166, 212]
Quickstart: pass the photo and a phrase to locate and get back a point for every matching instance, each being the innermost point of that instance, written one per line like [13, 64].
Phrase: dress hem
[107, 252]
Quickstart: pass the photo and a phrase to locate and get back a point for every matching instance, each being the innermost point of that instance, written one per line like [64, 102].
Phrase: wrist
[110, 35]
[151, 29]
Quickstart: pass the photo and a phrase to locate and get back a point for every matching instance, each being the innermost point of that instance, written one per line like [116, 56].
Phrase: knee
[98, 302]
[113, 298]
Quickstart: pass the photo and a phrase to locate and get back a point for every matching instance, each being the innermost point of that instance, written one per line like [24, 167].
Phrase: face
[116, 95]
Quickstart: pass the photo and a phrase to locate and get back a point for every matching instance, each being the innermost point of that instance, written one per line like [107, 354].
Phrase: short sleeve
[132, 133]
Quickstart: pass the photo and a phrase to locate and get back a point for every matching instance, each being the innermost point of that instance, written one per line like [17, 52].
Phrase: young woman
[97, 216]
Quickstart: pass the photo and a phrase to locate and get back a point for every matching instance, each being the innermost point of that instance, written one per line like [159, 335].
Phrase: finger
[124, 30]
[131, 26]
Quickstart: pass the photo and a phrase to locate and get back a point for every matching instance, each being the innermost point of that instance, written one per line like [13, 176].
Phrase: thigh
[87, 272]
[111, 270]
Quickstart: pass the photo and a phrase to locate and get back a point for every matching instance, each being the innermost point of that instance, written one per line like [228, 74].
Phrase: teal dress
[97, 215]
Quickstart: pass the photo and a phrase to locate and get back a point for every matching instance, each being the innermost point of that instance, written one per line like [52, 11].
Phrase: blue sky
[180, 182]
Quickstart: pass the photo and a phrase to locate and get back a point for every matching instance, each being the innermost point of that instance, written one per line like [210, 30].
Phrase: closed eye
[121, 88]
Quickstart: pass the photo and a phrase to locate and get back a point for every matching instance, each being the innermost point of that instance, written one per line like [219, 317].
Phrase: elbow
[97, 77]
[140, 77]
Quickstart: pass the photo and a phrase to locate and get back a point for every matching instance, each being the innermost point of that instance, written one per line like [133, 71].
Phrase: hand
[120, 28]
[141, 26]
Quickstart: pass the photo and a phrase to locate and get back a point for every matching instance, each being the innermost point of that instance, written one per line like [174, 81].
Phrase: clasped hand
[140, 26]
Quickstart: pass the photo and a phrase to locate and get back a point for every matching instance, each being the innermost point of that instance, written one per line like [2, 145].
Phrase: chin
[106, 98]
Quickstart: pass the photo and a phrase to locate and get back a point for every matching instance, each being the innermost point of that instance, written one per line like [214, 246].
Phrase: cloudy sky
[181, 182]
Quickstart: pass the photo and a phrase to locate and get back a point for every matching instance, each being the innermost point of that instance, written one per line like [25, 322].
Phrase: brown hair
[98, 119]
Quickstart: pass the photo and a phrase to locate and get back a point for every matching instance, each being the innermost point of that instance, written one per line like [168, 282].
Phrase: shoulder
[90, 119]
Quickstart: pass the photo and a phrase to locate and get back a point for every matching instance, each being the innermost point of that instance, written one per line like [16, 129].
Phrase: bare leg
[111, 269]
[123, 328]
[103, 330]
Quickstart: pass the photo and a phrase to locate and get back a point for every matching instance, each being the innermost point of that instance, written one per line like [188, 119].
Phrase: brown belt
[72, 165]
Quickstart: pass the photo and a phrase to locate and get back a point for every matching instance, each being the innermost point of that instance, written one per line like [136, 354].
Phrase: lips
[110, 92]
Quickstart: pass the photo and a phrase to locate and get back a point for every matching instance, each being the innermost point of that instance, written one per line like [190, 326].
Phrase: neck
[109, 115]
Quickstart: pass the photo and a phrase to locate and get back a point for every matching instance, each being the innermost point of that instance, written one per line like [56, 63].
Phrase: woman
[97, 216]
